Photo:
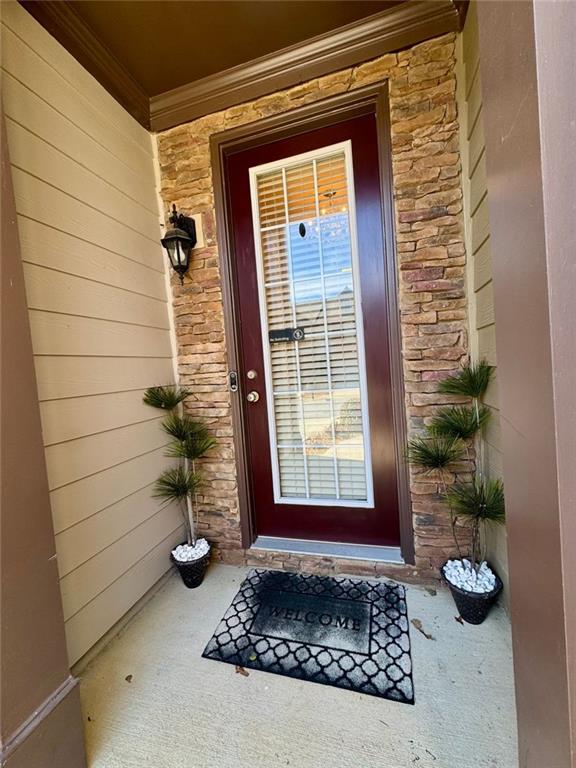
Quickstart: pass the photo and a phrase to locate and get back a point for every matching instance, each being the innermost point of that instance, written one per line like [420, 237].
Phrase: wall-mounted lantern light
[179, 241]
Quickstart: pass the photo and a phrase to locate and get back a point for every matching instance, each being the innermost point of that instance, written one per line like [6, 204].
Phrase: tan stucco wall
[431, 267]
[479, 267]
[88, 216]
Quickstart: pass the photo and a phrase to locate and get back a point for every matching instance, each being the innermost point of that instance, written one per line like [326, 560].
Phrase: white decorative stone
[461, 574]
[185, 553]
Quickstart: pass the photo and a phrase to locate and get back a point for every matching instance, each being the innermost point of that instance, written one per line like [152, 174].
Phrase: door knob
[253, 397]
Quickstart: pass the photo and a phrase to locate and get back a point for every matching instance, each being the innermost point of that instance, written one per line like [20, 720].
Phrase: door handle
[253, 397]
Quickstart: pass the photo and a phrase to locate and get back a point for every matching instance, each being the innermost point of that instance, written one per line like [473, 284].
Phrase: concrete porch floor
[182, 711]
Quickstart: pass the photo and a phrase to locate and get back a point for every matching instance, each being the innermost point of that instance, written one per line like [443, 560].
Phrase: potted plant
[474, 504]
[190, 441]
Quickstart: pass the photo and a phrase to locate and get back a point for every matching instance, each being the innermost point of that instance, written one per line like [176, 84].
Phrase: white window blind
[304, 227]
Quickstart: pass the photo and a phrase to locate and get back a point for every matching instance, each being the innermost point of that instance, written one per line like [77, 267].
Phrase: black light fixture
[179, 241]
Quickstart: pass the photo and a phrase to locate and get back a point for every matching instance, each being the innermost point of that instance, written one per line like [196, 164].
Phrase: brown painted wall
[555, 26]
[33, 646]
[528, 77]
[431, 256]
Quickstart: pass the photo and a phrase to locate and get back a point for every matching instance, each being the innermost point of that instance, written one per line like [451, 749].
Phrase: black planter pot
[192, 573]
[473, 606]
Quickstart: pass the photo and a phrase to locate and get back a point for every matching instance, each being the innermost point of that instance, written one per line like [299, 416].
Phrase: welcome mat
[348, 633]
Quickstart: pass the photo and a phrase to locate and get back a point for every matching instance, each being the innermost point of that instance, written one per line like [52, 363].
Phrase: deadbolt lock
[251, 374]
[253, 397]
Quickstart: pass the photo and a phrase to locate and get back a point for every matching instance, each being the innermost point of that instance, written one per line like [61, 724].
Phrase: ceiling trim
[398, 27]
[64, 23]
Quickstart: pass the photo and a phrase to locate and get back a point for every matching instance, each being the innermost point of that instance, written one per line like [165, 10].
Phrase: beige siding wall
[88, 218]
[477, 226]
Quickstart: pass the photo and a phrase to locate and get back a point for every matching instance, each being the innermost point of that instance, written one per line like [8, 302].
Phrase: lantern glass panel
[170, 246]
[181, 253]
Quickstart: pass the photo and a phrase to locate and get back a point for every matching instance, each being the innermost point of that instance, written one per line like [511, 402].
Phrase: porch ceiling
[153, 55]
[168, 44]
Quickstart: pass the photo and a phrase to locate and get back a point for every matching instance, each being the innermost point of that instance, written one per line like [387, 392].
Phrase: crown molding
[391, 30]
[405, 24]
[63, 22]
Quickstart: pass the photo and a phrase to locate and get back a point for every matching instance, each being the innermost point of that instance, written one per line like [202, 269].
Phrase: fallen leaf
[459, 619]
[417, 624]
[128, 678]
[431, 591]
[252, 657]
[242, 671]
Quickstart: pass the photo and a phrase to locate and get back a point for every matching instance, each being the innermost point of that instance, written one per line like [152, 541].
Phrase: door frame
[372, 99]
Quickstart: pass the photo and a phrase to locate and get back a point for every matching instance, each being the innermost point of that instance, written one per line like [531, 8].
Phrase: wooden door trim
[370, 99]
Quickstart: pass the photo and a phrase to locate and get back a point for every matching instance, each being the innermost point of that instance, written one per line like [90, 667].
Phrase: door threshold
[330, 549]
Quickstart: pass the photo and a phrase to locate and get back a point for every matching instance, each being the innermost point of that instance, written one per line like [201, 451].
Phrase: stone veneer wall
[431, 261]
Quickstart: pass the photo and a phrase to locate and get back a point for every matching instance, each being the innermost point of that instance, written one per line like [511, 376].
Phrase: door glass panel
[343, 361]
[304, 228]
[313, 364]
[347, 417]
[288, 422]
[321, 472]
[292, 472]
[284, 372]
[271, 206]
[351, 473]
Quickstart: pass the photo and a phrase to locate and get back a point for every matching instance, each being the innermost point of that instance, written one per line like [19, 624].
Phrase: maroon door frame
[368, 100]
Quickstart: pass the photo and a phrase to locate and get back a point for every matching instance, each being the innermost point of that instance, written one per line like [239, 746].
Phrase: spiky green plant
[178, 484]
[436, 454]
[446, 442]
[192, 448]
[190, 441]
[166, 397]
[459, 421]
[480, 503]
[175, 484]
[431, 453]
[471, 381]
[479, 500]
[179, 426]
[191, 438]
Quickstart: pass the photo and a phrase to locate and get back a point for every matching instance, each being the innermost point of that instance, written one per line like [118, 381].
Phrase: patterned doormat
[348, 633]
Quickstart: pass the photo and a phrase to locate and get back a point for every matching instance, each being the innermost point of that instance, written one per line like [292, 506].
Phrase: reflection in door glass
[316, 385]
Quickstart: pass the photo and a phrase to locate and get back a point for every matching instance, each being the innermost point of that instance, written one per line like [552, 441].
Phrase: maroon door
[309, 260]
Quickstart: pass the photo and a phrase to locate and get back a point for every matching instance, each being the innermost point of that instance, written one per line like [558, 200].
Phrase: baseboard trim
[19, 736]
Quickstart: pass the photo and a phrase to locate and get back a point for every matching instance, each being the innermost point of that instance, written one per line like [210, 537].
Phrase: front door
[311, 287]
